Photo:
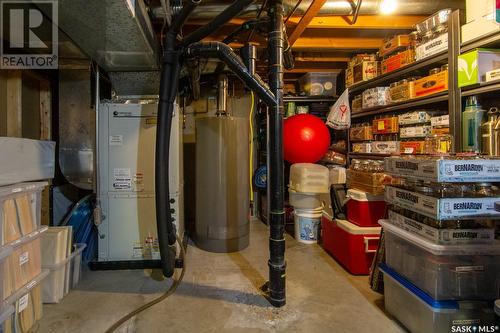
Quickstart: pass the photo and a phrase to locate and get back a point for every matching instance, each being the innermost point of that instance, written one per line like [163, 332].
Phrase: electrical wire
[251, 144]
[157, 300]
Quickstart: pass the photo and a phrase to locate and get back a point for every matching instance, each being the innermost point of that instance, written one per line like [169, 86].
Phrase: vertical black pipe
[277, 264]
[168, 90]
[249, 56]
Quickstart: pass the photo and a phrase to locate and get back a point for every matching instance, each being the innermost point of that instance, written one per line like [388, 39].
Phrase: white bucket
[307, 223]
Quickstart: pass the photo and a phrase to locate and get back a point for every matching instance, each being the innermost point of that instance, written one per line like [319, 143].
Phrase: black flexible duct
[230, 12]
[168, 89]
[277, 263]
[249, 55]
[227, 55]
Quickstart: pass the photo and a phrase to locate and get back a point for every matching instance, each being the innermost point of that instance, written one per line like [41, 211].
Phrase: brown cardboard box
[431, 84]
[397, 61]
[393, 44]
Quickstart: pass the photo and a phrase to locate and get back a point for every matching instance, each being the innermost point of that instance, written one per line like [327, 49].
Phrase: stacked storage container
[24, 162]
[308, 183]
[353, 242]
[442, 270]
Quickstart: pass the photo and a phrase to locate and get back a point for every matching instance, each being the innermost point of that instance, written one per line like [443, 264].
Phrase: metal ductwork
[117, 34]
[211, 8]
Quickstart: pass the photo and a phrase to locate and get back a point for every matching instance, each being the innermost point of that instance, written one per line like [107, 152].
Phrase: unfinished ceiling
[321, 32]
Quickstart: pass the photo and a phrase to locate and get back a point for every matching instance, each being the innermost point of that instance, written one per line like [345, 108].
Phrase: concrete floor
[220, 293]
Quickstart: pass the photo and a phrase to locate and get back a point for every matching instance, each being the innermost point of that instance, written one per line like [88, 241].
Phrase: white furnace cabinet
[127, 134]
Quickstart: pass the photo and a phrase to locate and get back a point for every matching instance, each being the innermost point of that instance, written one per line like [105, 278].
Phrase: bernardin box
[415, 117]
[440, 121]
[397, 61]
[442, 208]
[445, 170]
[473, 65]
[431, 84]
[442, 236]
[388, 125]
[415, 131]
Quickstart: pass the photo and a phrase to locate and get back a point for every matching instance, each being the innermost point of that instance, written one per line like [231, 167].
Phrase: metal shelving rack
[452, 97]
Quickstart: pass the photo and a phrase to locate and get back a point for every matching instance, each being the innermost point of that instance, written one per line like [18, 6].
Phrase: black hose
[288, 59]
[168, 90]
[225, 16]
[235, 64]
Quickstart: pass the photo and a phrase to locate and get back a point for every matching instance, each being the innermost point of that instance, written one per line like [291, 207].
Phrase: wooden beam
[363, 22]
[45, 111]
[311, 12]
[307, 70]
[325, 43]
[11, 108]
[321, 59]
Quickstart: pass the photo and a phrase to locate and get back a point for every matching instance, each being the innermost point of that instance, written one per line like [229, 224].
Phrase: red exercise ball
[306, 139]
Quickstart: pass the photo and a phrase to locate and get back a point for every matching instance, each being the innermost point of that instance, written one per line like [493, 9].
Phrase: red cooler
[354, 247]
[364, 209]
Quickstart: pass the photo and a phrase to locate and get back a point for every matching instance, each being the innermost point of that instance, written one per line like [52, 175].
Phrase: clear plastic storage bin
[309, 178]
[319, 84]
[63, 276]
[461, 272]
[420, 313]
[20, 209]
[20, 263]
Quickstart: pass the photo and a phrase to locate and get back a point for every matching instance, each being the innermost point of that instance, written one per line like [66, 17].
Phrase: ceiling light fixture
[387, 7]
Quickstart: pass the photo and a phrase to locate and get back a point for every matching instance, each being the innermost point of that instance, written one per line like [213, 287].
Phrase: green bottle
[472, 118]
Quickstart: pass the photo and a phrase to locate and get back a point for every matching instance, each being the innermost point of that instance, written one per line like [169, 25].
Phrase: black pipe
[168, 89]
[249, 56]
[227, 14]
[277, 264]
[288, 59]
[235, 64]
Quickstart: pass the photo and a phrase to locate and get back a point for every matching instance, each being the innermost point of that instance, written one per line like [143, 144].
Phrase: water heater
[222, 184]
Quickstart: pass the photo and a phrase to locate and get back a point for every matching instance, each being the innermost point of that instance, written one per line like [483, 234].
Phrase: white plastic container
[337, 175]
[305, 200]
[461, 272]
[319, 84]
[309, 178]
[306, 225]
[420, 313]
[26, 160]
[63, 276]
[20, 210]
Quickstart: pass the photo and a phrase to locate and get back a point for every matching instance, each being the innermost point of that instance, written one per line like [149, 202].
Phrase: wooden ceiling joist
[304, 21]
[325, 43]
[363, 22]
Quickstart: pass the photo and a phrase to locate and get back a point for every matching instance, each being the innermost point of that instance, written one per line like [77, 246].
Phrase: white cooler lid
[363, 196]
[357, 230]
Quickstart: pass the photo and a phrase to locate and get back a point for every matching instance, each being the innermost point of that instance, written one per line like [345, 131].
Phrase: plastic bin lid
[363, 196]
[22, 187]
[6, 313]
[442, 250]
[357, 230]
[416, 291]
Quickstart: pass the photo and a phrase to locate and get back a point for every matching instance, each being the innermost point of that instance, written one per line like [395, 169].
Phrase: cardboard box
[440, 130]
[349, 77]
[432, 47]
[361, 133]
[473, 65]
[385, 147]
[397, 61]
[412, 147]
[478, 28]
[442, 208]
[415, 117]
[440, 121]
[393, 44]
[365, 71]
[403, 92]
[431, 84]
[415, 131]
[484, 9]
[362, 147]
[389, 125]
[446, 170]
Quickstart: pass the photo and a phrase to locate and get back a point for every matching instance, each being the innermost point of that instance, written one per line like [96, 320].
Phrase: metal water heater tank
[222, 184]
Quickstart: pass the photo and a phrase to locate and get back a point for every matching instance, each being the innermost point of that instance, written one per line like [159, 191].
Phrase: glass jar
[434, 71]
[484, 190]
